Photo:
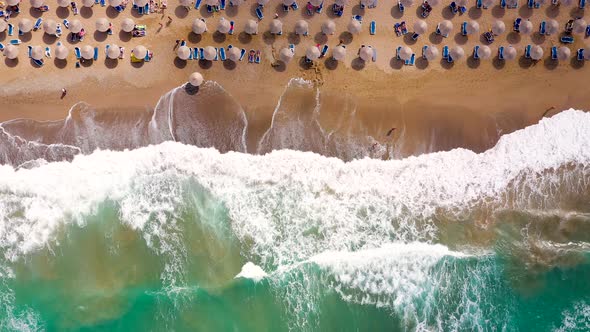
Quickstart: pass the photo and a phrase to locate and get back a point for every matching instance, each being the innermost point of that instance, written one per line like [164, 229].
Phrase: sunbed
[15, 42]
[476, 52]
[292, 48]
[222, 54]
[66, 24]
[501, 53]
[516, 25]
[324, 51]
[140, 10]
[251, 55]
[453, 7]
[582, 4]
[463, 9]
[515, 5]
[198, 4]
[439, 33]
[527, 51]
[285, 8]
[259, 13]
[146, 9]
[450, 59]
[358, 18]
[362, 5]
[489, 37]
[400, 6]
[58, 30]
[147, 57]
[294, 6]
[231, 27]
[587, 30]
[242, 53]
[10, 29]
[464, 29]
[554, 53]
[542, 28]
[399, 48]
[95, 54]
[29, 50]
[103, 3]
[37, 24]
[39, 63]
[183, 43]
[216, 54]
[47, 52]
[479, 4]
[1, 47]
[424, 48]
[119, 8]
[567, 39]
[195, 53]
[580, 54]
[320, 8]
[412, 59]
[202, 53]
[415, 36]
[222, 4]
[531, 3]
[537, 5]
[445, 52]
[404, 28]
[257, 57]
[503, 3]
[77, 52]
[372, 27]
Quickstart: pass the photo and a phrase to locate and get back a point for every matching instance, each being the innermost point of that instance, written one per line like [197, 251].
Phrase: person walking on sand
[63, 93]
[177, 42]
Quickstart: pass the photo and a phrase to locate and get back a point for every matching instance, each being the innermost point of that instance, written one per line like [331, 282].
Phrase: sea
[177, 220]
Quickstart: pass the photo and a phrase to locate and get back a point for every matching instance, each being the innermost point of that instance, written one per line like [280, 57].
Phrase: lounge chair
[450, 59]
[400, 6]
[242, 53]
[231, 27]
[222, 54]
[542, 28]
[415, 36]
[567, 39]
[1, 47]
[37, 24]
[251, 55]
[66, 24]
[587, 30]
[462, 10]
[292, 48]
[580, 54]
[259, 13]
[324, 51]
[404, 28]
[537, 5]
[222, 4]
[95, 54]
[424, 52]
[146, 9]
[10, 29]
[216, 54]
[77, 53]
[412, 59]
[399, 48]
[501, 53]
[140, 10]
[516, 25]
[15, 42]
[476, 52]
[58, 30]
[294, 6]
[445, 52]
[489, 37]
[286, 8]
[358, 18]
[47, 52]
[195, 53]
[554, 53]
[119, 8]
[183, 43]
[453, 7]
[531, 3]
[439, 33]
[515, 5]
[198, 4]
[372, 27]
[257, 57]
[527, 51]
[479, 4]
[29, 50]
[320, 8]
[103, 3]
[582, 4]
[39, 63]
[362, 5]
[503, 3]
[464, 29]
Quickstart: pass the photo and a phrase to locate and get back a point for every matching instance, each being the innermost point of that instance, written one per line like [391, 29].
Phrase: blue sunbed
[95, 54]
[242, 53]
[479, 4]
[531, 3]
[450, 59]
[202, 53]
[527, 52]
[400, 6]
[503, 3]
[453, 7]
[191, 55]
[103, 3]
[294, 6]
[399, 48]
[198, 4]
[372, 27]
[1, 47]
[10, 29]
[39, 63]
[537, 5]
[320, 8]
[285, 8]
[66, 24]
[222, 4]
[424, 52]
[542, 29]
[222, 54]
[464, 29]
[554, 53]
[476, 52]
[582, 4]
[29, 50]
[257, 57]
[567, 39]
[140, 10]
[58, 30]
[580, 54]
[412, 59]
[415, 36]
[324, 50]
[37, 24]
[147, 56]
[587, 30]
[501, 53]
[358, 18]
[195, 53]
[77, 52]
[119, 8]
[259, 13]
[292, 48]
[47, 52]
[463, 9]
[516, 25]
[231, 27]
[216, 54]
[15, 42]
[445, 52]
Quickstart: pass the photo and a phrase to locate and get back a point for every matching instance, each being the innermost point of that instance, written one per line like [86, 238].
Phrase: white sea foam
[576, 318]
[252, 271]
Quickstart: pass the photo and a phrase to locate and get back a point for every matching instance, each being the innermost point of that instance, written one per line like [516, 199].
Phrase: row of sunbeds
[197, 53]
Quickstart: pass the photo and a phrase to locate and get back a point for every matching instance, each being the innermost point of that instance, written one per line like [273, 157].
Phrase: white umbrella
[185, 3]
[563, 53]
[312, 53]
[115, 3]
[316, 3]
[285, 55]
[339, 53]
[195, 79]
[484, 52]
[487, 3]
[127, 24]
[366, 53]
[566, 2]
[301, 27]
[199, 26]
[367, 2]
[472, 27]
[237, 2]
[12, 2]
[87, 3]
[233, 54]
[183, 52]
[511, 3]
[223, 26]
[579, 26]
[113, 52]
[251, 27]
[102, 24]
[11, 51]
[37, 52]
[36, 3]
[587, 53]
[405, 53]
[328, 27]
[139, 51]
[434, 2]
[61, 52]
[212, 2]
[87, 52]
[209, 53]
[341, 2]
[75, 26]
[276, 26]
[420, 27]
[25, 25]
[526, 27]
[536, 52]
[445, 27]
[3, 25]
[457, 52]
[462, 3]
[509, 53]
[141, 3]
[63, 3]
[288, 2]
[498, 27]
[552, 27]
[431, 53]
[49, 26]
[354, 26]
[262, 2]
[407, 3]
[541, 2]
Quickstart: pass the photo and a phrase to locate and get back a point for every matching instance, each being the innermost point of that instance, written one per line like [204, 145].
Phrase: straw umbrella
[37, 52]
[472, 27]
[536, 52]
[354, 26]
[102, 24]
[25, 25]
[566, 2]
[366, 53]
[457, 52]
[563, 53]
[87, 3]
[367, 3]
[341, 2]
[113, 51]
[407, 3]
[434, 2]
[183, 52]
[498, 27]
[87, 52]
[552, 27]
[75, 26]
[579, 26]
[63, 3]
[12, 2]
[420, 27]
[3, 25]
[251, 27]
[509, 53]
[316, 3]
[487, 3]
[339, 53]
[301, 27]
[212, 2]
[36, 3]
[328, 27]
[445, 27]
[276, 26]
[127, 25]
[11, 51]
[223, 26]
[312, 53]
[186, 3]
[285, 55]
[288, 2]
[262, 2]
[115, 3]
[462, 3]
[195, 79]
[431, 53]
[139, 51]
[526, 27]
[485, 52]
[61, 52]
[199, 26]
[233, 54]
[237, 2]
[511, 3]
[209, 53]
[49, 26]
[405, 53]
[141, 3]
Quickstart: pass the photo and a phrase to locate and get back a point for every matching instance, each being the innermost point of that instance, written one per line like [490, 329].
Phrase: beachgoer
[63, 93]
[390, 131]
[169, 19]
[276, 15]
[177, 42]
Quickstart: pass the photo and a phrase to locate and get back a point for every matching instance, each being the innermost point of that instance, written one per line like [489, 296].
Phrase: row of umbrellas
[62, 52]
[50, 26]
